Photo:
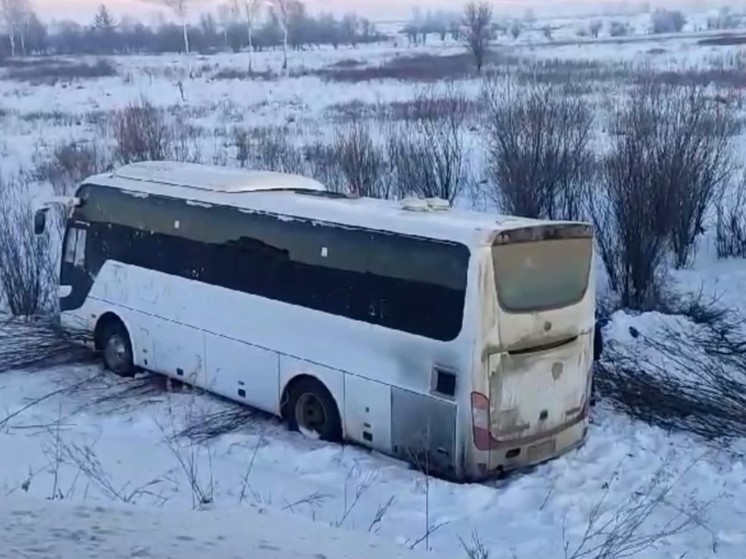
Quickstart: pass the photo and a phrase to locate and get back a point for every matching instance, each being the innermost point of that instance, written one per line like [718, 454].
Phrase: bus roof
[294, 196]
[213, 178]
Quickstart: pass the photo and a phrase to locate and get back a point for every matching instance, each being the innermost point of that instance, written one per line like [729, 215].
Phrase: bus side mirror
[40, 221]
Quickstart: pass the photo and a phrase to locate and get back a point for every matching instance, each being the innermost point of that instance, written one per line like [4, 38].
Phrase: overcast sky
[83, 10]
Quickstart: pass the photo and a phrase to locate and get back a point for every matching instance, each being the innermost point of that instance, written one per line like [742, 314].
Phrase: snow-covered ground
[72, 446]
[129, 488]
[34, 528]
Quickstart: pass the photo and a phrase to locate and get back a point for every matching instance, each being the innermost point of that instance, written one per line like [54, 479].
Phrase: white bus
[458, 340]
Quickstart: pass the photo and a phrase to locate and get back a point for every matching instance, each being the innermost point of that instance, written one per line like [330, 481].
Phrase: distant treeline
[224, 31]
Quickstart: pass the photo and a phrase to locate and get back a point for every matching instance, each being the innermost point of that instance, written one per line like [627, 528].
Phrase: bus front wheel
[117, 349]
[311, 409]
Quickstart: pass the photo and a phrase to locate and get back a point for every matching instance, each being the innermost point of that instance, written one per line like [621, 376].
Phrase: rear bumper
[511, 456]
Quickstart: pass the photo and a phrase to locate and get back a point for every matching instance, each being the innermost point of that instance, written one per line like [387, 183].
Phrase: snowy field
[134, 464]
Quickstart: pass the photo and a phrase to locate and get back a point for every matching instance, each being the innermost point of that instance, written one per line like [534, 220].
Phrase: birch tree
[250, 10]
[282, 10]
[15, 16]
[181, 9]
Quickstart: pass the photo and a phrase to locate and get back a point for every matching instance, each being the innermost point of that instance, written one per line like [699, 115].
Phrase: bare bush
[731, 222]
[428, 152]
[272, 149]
[141, 133]
[625, 212]
[110, 394]
[626, 530]
[324, 165]
[539, 149]
[361, 161]
[70, 164]
[33, 345]
[205, 426]
[242, 143]
[686, 373]
[618, 29]
[27, 272]
[185, 145]
[516, 29]
[85, 458]
[475, 549]
[669, 158]
[477, 21]
[188, 456]
[595, 27]
[694, 159]
[667, 21]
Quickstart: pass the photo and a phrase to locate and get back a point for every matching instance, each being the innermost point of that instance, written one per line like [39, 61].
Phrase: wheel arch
[336, 400]
[103, 321]
[295, 381]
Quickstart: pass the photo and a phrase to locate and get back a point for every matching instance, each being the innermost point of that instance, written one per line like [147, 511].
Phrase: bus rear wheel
[117, 349]
[312, 411]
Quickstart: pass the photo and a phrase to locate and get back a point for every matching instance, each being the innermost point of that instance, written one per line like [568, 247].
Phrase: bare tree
[539, 149]
[477, 21]
[181, 10]
[250, 9]
[283, 10]
[15, 15]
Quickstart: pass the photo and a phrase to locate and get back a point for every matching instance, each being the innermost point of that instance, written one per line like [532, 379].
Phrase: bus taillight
[480, 420]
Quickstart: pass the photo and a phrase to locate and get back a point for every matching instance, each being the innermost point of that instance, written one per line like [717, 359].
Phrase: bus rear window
[542, 275]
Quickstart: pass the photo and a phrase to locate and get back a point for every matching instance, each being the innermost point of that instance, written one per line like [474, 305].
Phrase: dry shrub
[428, 151]
[27, 272]
[361, 161]
[731, 222]
[323, 165]
[668, 161]
[143, 132]
[268, 148]
[685, 372]
[70, 164]
[539, 149]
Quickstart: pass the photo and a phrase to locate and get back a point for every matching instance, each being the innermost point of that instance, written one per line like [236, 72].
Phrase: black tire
[116, 349]
[305, 395]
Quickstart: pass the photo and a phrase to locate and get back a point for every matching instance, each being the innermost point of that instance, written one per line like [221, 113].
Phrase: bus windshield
[542, 275]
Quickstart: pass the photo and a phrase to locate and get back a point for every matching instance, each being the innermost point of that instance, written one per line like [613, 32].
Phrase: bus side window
[75, 247]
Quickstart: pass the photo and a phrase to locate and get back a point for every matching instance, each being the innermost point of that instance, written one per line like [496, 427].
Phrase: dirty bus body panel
[537, 346]
[246, 291]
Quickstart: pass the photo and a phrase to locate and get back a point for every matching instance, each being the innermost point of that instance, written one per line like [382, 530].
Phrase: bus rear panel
[532, 378]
